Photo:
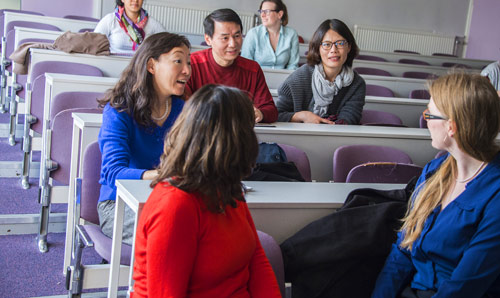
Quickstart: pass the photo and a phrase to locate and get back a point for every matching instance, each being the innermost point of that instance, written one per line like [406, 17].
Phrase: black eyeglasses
[428, 116]
[339, 44]
[266, 11]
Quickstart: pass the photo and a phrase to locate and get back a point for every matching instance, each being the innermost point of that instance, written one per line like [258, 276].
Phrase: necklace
[473, 175]
[164, 114]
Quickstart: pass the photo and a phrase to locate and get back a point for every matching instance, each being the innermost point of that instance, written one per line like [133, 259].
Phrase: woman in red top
[196, 237]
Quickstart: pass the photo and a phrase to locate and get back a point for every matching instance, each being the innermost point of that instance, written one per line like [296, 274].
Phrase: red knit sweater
[184, 250]
[244, 74]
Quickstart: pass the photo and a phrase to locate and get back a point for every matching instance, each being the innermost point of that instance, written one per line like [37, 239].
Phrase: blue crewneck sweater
[129, 149]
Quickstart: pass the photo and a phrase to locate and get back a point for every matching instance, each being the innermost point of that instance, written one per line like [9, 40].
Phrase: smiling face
[438, 128]
[273, 18]
[226, 42]
[132, 7]
[170, 72]
[333, 59]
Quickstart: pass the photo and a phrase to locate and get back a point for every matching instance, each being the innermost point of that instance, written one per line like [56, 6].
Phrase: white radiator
[387, 40]
[187, 20]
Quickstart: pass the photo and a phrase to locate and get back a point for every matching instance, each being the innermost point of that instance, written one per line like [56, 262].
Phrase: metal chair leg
[43, 224]
[3, 90]
[75, 272]
[13, 113]
[28, 119]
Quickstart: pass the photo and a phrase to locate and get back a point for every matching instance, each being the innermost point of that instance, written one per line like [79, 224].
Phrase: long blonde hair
[470, 101]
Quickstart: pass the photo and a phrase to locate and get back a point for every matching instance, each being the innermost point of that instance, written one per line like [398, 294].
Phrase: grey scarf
[324, 91]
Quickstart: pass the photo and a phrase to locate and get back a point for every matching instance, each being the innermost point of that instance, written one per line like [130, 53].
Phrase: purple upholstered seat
[379, 117]
[440, 153]
[420, 94]
[273, 254]
[383, 172]
[38, 83]
[371, 58]
[62, 127]
[56, 161]
[2, 17]
[10, 32]
[347, 157]
[443, 55]
[299, 158]
[422, 122]
[456, 65]
[81, 18]
[376, 90]
[88, 205]
[372, 71]
[88, 195]
[419, 75]
[413, 61]
[406, 52]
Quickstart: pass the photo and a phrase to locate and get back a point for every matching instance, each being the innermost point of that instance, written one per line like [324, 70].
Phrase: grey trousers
[106, 211]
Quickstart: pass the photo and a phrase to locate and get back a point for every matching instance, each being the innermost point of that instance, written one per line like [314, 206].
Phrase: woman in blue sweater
[138, 113]
[449, 245]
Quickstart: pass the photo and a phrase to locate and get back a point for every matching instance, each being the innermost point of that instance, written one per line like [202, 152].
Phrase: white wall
[441, 16]
[10, 4]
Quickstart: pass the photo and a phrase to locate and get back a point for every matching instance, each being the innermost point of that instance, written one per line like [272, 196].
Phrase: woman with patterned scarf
[127, 26]
[326, 89]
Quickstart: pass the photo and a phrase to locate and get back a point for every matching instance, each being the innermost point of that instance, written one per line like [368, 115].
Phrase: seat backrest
[419, 75]
[37, 40]
[2, 17]
[406, 52]
[91, 171]
[412, 61]
[347, 157]
[383, 172]
[372, 71]
[376, 90]
[81, 18]
[60, 142]
[69, 100]
[379, 117]
[10, 32]
[299, 158]
[371, 58]
[422, 123]
[275, 257]
[440, 153]
[457, 65]
[37, 75]
[420, 94]
[443, 55]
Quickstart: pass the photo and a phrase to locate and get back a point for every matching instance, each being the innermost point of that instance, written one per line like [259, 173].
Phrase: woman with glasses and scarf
[449, 244]
[326, 89]
[127, 27]
[272, 44]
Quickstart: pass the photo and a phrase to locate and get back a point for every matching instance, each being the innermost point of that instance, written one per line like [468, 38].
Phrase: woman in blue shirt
[138, 113]
[272, 44]
[449, 245]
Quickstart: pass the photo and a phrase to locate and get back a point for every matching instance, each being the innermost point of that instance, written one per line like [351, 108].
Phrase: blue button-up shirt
[257, 46]
[458, 251]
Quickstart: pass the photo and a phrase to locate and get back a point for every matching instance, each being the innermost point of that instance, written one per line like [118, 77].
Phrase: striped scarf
[134, 30]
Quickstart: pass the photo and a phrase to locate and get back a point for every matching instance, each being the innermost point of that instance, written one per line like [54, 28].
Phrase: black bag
[270, 152]
[272, 165]
[341, 255]
[275, 171]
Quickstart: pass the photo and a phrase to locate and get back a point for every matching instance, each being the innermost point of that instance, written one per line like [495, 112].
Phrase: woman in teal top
[272, 44]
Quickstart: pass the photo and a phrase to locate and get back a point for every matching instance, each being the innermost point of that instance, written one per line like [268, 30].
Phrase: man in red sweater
[222, 64]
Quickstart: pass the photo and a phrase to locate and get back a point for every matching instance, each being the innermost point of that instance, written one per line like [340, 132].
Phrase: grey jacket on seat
[295, 95]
